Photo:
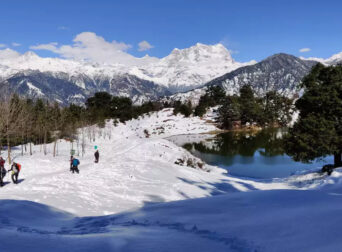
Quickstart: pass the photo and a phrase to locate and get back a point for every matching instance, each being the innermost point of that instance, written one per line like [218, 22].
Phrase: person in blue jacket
[74, 165]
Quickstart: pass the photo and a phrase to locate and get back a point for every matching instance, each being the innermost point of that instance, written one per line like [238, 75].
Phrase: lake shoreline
[249, 153]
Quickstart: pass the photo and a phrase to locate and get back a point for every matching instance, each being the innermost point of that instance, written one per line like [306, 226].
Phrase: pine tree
[229, 113]
[318, 132]
[215, 95]
[277, 109]
[250, 108]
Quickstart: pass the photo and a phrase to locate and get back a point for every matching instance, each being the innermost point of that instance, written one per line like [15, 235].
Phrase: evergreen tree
[200, 110]
[250, 109]
[215, 95]
[184, 109]
[277, 109]
[318, 132]
[229, 113]
[121, 108]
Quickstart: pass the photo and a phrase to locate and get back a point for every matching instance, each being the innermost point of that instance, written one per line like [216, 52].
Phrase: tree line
[245, 108]
[25, 121]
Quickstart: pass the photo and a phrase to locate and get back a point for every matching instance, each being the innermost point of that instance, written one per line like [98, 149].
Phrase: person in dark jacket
[71, 159]
[2, 171]
[97, 156]
[15, 168]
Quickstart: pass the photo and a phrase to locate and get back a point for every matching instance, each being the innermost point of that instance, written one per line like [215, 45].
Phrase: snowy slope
[133, 169]
[137, 175]
[278, 220]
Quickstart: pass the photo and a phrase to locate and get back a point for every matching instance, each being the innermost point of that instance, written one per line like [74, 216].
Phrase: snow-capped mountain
[280, 72]
[188, 68]
[68, 80]
[333, 60]
[149, 78]
[182, 69]
[66, 89]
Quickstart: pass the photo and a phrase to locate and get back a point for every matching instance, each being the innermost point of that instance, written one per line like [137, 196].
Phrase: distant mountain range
[281, 72]
[69, 81]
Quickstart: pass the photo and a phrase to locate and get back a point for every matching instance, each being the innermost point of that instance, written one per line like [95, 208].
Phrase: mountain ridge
[280, 72]
[151, 78]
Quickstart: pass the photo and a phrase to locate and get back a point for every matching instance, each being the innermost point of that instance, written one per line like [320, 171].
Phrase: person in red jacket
[2, 162]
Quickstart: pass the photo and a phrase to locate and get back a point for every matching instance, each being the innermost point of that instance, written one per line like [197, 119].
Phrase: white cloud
[49, 47]
[304, 50]
[2, 45]
[91, 47]
[144, 46]
[8, 54]
[15, 44]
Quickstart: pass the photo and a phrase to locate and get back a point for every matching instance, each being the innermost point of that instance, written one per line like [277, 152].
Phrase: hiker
[2, 171]
[74, 165]
[71, 158]
[15, 168]
[97, 156]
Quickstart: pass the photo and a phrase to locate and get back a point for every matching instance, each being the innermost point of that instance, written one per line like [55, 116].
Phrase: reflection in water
[252, 154]
[268, 142]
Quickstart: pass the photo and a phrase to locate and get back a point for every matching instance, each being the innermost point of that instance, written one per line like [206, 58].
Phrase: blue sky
[251, 29]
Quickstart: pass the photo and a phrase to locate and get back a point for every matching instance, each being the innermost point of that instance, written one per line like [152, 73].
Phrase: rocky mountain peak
[201, 53]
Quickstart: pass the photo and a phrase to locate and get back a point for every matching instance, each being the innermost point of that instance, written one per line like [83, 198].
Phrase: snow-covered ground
[133, 169]
[130, 190]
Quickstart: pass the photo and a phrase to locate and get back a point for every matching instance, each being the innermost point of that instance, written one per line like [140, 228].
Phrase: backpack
[75, 162]
[19, 167]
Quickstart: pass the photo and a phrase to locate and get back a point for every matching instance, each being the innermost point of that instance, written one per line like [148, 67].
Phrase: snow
[182, 69]
[278, 220]
[193, 96]
[34, 89]
[192, 66]
[133, 169]
[141, 200]
[336, 58]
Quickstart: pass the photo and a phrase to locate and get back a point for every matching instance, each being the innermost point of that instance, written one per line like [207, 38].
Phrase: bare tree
[11, 111]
